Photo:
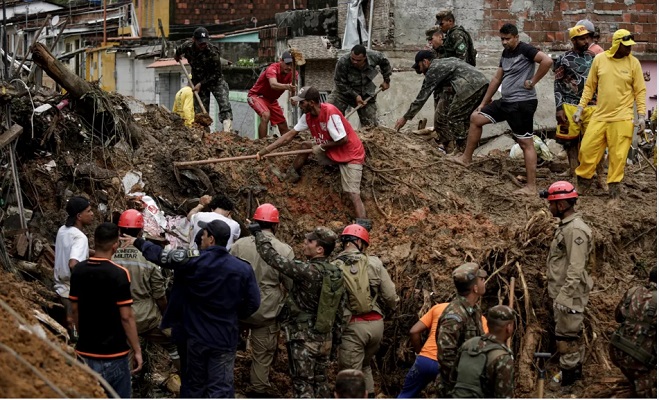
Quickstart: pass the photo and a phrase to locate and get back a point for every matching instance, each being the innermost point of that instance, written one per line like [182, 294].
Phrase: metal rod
[17, 185]
[238, 158]
[105, 21]
[370, 25]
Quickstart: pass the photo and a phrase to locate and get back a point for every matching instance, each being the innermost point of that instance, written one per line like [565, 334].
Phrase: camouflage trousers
[368, 115]
[220, 90]
[642, 379]
[452, 113]
[310, 360]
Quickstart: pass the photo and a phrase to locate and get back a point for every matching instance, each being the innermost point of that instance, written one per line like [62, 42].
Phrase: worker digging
[260, 241]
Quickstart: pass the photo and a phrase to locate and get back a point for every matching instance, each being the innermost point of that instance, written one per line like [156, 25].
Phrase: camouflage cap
[322, 234]
[467, 272]
[431, 31]
[442, 14]
[501, 314]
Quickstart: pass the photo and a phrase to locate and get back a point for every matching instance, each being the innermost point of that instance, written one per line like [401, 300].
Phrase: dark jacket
[211, 293]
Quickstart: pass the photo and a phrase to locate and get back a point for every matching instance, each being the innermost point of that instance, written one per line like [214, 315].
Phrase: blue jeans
[209, 371]
[116, 372]
[418, 377]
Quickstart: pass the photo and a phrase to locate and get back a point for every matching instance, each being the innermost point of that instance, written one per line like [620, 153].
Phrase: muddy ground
[428, 217]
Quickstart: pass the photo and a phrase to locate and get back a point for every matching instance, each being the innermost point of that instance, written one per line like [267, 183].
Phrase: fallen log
[526, 369]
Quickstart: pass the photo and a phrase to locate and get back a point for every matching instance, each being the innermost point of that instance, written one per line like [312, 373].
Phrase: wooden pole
[365, 102]
[238, 158]
[511, 303]
[196, 94]
[105, 20]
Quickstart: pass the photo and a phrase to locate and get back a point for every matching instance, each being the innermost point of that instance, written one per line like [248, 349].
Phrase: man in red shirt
[262, 97]
[334, 142]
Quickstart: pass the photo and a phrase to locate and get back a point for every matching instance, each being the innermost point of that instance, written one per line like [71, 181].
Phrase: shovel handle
[365, 102]
[196, 95]
[178, 164]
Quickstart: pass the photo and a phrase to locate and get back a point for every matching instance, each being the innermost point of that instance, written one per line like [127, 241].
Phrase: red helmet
[561, 190]
[131, 219]
[356, 231]
[266, 213]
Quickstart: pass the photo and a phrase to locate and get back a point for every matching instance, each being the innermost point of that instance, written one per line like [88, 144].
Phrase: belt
[369, 316]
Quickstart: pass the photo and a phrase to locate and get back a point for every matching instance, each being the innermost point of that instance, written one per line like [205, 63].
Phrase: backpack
[355, 279]
[471, 368]
[471, 51]
[330, 297]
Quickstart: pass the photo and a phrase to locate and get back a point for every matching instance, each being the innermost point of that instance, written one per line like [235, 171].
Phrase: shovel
[365, 102]
[204, 120]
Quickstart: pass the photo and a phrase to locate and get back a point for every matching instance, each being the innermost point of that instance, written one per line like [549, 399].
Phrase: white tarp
[355, 25]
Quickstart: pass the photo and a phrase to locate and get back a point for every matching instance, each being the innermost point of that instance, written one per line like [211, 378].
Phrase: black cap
[307, 93]
[201, 34]
[286, 56]
[422, 55]
[75, 206]
[218, 229]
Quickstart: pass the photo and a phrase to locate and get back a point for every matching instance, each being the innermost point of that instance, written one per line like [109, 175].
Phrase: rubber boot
[583, 185]
[365, 223]
[571, 379]
[227, 125]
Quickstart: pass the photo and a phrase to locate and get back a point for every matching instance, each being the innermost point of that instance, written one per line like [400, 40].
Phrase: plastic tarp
[355, 25]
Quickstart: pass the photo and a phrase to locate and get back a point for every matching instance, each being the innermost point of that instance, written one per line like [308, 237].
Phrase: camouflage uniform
[207, 69]
[351, 82]
[568, 285]
[308, 350]
[633, 346]
[493, 377]
[459, 322]
[469, 86]
[457, 43]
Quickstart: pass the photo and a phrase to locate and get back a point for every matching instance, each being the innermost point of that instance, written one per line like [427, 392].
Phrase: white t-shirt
[70, 244]
[212, 216]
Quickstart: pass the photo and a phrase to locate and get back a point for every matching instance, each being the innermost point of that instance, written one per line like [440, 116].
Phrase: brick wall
[200, 12]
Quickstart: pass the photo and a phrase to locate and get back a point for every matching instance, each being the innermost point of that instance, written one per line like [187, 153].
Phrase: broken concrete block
[502, 143]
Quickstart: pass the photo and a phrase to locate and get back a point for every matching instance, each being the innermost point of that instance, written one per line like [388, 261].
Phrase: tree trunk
[73, 84]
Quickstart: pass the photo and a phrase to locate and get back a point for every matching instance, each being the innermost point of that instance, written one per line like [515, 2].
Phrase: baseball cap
[307, 93]
[322, 234]
[467, 272]
[624, 37]
[577, 31]
[422, 55]
[286, 56]
[587, 24]
[75, 206]
[218, 229]
[201, 34]
[501, 314]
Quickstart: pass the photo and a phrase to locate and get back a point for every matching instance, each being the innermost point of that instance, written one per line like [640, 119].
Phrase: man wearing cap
[568, 281]
[362, 335]
[593, 33]
[517, 78]
[460, 321]
[468, 84]
[617, 78]
[207, 305]
[311, 326]
[570, 74]
[498, 365]
[334, 142]
[263, 323]
[71, 247]
[262, 97]
[206, 63]
[457, 41]
[353, 79]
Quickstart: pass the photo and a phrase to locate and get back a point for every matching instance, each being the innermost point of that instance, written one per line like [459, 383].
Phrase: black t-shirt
[100, 287]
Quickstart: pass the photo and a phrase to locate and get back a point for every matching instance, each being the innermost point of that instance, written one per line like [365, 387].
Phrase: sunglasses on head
[626, 38]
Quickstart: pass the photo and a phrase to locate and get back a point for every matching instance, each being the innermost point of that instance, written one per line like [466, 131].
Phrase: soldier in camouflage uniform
[457, 41]
[633, 346]
[205, 61]
[568, 281]
[435, 38]
[494, 375]
[468, 84]
[353, 78]
[308, 349]
[460, 321]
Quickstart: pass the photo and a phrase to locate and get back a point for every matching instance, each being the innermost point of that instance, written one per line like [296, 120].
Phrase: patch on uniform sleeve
[578, 240]
[452, 316]
[462, 46]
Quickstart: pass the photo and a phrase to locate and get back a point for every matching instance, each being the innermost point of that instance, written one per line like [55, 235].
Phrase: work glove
[254, 228]
[561, 308]
[640, 124]
[576, 117]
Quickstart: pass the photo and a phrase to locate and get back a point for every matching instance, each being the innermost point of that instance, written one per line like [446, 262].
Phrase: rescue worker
[468, 84]
[570, 74]
[368, 286]
[314, 309]
[184, 105]
[334, 142]
[206, 63]
[350, 384]
[568, 281]
[353, 79]
[263, 324]
[633, 346]
[460, 321]
[492, 376]
[593, 35]
[271, 84]
[147, 287]
[457, 41]
[617, 78]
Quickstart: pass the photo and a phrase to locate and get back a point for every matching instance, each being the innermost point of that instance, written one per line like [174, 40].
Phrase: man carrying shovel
[334, 142]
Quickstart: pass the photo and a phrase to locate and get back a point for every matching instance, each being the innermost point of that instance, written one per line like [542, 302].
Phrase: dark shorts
[519, 115]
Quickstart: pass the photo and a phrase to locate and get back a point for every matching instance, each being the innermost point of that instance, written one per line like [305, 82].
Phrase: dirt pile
[428, 217]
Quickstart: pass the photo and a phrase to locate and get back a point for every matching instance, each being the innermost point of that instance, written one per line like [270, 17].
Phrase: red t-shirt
[262, 85]
[331, 126]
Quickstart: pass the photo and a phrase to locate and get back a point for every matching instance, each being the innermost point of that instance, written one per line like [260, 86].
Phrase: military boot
[365, 223]
[571, 379]
[583, 185]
